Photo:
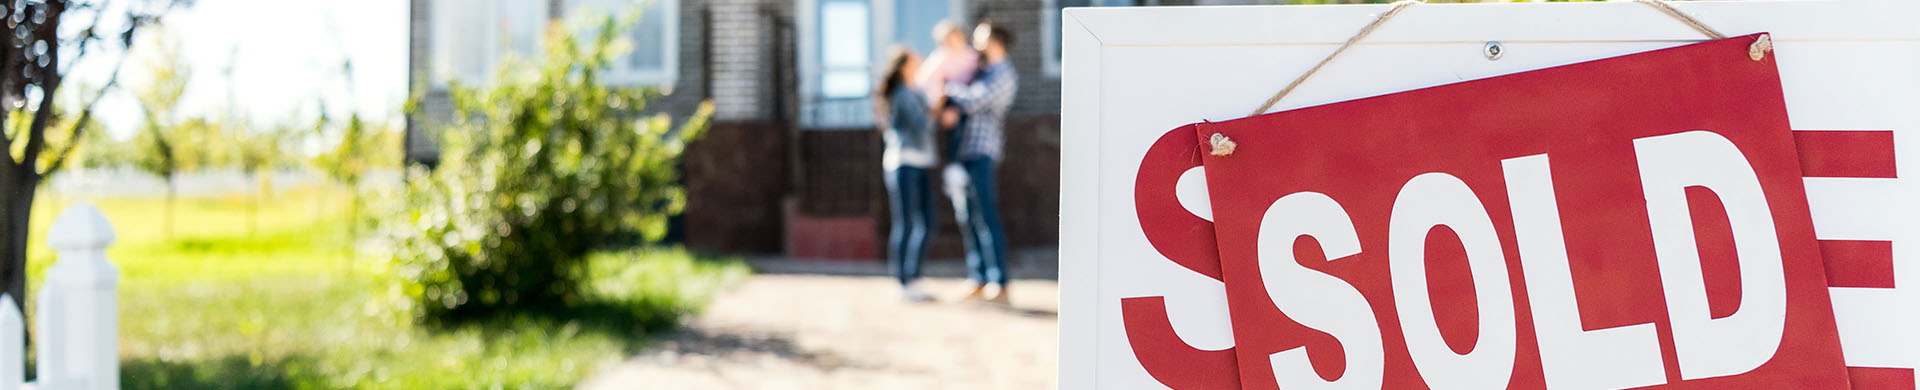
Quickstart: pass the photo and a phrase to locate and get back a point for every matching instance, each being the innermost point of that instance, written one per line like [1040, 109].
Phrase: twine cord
[1222, 146]
[1660, 5]
[1683, 18]
[1364, 31]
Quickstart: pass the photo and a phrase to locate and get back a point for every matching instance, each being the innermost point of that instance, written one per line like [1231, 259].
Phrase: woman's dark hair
[891, 79]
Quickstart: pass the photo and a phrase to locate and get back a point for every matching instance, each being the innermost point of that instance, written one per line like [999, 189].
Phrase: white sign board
[1131, 75]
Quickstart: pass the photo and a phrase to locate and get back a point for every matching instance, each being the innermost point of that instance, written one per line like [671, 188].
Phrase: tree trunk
[169, 207]
[353, 223]
[16, 213]
[253, 210]
[353, 214]
[16, 208]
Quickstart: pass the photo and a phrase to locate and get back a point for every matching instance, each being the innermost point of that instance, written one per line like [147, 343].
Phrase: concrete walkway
[825, 325]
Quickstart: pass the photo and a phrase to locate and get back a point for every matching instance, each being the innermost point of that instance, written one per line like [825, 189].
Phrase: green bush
[539, 169]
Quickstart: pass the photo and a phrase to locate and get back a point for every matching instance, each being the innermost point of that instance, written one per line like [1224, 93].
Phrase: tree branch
[87, 35]
[37, 133]
[86, 115]
[10, 61]
[6, 129]
[49, 79]
[49, 76]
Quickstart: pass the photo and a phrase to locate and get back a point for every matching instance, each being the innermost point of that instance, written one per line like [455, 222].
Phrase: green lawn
[223, 302]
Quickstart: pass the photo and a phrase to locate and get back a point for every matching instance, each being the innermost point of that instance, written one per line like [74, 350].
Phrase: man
[985, 101]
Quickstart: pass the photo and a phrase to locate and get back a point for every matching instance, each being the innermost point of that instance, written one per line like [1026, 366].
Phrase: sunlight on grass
[296, 232]
[287, 303]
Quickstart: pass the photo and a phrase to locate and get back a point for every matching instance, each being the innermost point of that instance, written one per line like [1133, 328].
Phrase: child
[953, 62]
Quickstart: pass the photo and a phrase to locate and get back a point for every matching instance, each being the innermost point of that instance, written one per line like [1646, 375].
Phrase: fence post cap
[80, 227]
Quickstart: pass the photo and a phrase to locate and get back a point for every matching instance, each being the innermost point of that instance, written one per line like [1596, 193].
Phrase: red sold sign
[1184, 239]
[1628, 222]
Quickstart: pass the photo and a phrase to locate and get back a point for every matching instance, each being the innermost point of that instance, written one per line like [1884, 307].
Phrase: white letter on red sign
[1435, 199]
[1570, 356]
[1318, 300]
[1709, 347]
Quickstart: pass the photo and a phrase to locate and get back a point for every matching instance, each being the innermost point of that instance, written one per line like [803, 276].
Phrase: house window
[845, 48]
[470, 37]
[836, 67]
[1050, 26]
[654, 39]
[840, 42]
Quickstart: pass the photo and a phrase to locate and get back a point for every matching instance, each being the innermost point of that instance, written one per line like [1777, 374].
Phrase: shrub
[538, 169]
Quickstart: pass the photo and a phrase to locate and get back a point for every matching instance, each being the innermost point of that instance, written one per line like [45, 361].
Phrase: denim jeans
[979, 216]
[910, 198]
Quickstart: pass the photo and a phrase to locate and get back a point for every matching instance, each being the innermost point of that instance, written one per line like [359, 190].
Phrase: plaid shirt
[986, 101]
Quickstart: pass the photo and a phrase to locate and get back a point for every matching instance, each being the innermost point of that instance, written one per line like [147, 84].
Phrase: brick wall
[736, 178]
[1039, 93]
[1030, 181]
[751, 43]
[420, 144]
[739, 176]
[689, 89]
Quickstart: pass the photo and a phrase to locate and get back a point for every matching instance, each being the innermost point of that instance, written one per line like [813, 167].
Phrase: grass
[220, 303]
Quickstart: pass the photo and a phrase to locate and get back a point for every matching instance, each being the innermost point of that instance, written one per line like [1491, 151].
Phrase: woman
[906, 126]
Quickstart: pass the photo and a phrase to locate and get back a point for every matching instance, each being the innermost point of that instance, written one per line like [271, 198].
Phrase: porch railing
[824, 113]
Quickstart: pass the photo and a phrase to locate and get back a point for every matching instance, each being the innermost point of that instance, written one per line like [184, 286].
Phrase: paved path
[815, 331]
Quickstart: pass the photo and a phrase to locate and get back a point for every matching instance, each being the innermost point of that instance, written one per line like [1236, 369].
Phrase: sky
[286, 57]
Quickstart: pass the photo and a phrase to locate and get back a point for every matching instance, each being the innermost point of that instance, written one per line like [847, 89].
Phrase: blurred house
[791, 164]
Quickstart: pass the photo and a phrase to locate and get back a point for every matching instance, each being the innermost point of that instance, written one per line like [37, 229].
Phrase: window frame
[453, 24]
[621, 71]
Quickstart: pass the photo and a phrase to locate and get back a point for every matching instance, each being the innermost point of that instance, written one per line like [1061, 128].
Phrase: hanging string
[1660, 5]
[1222, 146]
[1364, 31]
[1755, 51]
[1684, 18]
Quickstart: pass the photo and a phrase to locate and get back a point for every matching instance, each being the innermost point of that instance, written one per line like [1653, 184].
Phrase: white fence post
[77, 313]
[13, 352]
